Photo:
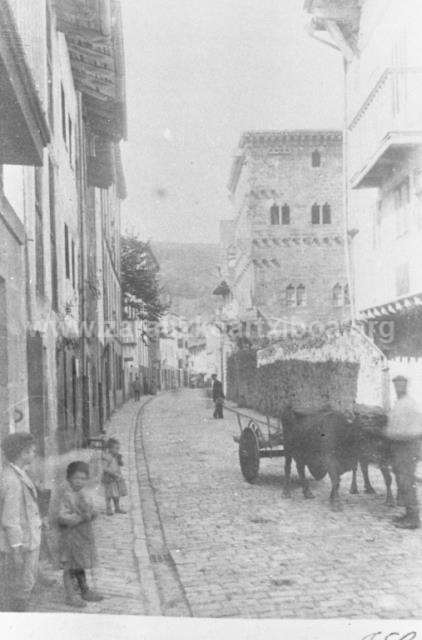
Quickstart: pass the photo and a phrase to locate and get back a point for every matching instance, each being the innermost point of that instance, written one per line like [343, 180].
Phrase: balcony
[386, 127]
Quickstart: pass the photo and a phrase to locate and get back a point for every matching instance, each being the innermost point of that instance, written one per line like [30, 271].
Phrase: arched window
[315, 213]
[346, 294]
[275, 214]
[326, 214]
[316, 158]
[301, 296]
[337, 295]
[285, 214]
[290, 296]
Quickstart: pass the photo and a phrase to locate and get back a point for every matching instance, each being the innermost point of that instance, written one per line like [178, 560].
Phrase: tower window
[315, 213]
[316, 158]
[285, 214]
[326, 214]
[275, 214]
[290, 296]
[301, 296]
[337, 295]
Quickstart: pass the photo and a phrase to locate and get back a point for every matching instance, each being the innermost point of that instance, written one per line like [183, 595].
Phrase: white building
[382, 49]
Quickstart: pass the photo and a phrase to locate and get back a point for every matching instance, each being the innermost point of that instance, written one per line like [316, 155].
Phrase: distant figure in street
[137, 388]
[404, 429]
[20, 530]
[72, 515]
[218, 397]
[112, 478]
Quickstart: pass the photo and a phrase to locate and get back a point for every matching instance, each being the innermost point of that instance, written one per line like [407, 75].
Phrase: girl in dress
[112, 478]
[72, 516]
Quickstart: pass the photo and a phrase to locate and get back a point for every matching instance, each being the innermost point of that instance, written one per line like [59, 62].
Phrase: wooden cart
[257, 439]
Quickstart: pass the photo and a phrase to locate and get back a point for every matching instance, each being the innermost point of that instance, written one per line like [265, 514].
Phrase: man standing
[218, 397]
[20, 530]
[404, 429]
[137, 388]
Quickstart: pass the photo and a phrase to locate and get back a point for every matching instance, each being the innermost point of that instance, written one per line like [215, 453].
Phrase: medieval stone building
[287, 255]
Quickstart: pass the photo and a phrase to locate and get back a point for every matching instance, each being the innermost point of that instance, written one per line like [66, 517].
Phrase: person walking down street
[218, 397]
[20, 531]
[137, 388]
[404, 429]
[72, 515]
[112, 478]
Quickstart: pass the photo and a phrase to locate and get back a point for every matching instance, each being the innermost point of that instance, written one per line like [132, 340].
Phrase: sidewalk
[123, 575]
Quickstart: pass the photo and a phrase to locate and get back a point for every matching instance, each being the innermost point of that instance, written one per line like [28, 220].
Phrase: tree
[141, 288]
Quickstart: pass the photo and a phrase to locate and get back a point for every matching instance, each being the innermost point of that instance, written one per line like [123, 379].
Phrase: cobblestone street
[243, 550]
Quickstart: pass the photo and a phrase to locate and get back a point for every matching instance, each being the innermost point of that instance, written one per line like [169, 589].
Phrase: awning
[399, 306]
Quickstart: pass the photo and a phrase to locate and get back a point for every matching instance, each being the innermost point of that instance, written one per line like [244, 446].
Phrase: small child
[112, 478]
[73, 515]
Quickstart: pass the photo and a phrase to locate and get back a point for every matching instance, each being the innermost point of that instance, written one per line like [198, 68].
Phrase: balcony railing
[389, 121]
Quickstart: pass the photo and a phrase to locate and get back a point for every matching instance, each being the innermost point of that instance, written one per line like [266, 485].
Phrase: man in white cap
[404, 429]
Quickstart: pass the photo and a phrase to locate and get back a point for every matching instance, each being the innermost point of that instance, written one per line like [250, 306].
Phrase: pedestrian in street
[218, 397]
[137, 387]
[404, 429]
[112, 477]
[72, 515]
[20, 530]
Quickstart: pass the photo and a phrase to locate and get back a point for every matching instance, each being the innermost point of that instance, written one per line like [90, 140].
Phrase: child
[20, 523]
[73, 515]
[112, 478]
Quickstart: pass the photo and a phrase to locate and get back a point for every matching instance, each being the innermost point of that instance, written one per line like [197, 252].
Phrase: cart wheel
[249, 454]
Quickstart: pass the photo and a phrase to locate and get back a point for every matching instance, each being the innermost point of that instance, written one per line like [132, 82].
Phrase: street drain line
[174, 601]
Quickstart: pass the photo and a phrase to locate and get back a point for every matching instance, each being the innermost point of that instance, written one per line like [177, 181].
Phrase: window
[70, 138]
[337, 295]
[346, 295]
[316, 159]
[73, 265]
[66, 251]
[301, 296]
[63, 106]
[39, 241]
[315, 213]
[290, 296]
[285, 214]
[326, 214]
[53, 244]
[401, 204]
[180, 343]
[275, 214]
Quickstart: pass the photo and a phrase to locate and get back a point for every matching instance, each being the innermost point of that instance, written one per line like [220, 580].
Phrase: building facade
[287, 260]
[61, 187]
[382, 51]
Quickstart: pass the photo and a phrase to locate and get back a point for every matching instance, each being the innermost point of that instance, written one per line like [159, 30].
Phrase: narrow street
[234, 549]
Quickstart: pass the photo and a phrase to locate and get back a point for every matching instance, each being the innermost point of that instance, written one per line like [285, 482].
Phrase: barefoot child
[112, 478]
[73, 515]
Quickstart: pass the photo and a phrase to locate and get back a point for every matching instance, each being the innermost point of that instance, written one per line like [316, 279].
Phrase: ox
[328, 442]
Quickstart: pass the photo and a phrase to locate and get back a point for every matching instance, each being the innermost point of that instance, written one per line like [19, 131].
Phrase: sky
[198, 74]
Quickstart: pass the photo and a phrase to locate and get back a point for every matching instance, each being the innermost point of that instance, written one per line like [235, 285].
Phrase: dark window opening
[70, 138]
[337, 295]
[326, 214]
[39, 240]
[63, 106]
[346, 295]
[315, 214]
[285, 214]
[73, 265]
[316, 159]
[66, 251]
[290, 296]
[301, 296]
[275, 214]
